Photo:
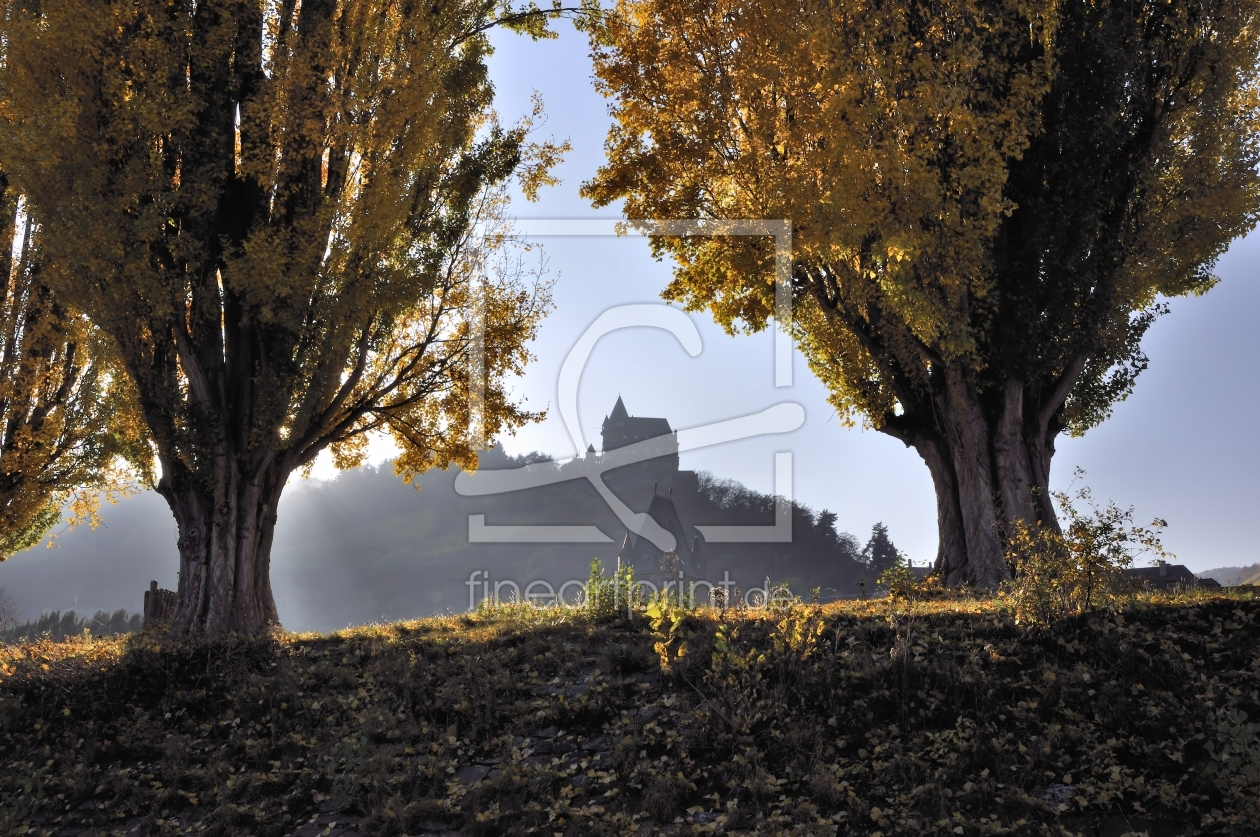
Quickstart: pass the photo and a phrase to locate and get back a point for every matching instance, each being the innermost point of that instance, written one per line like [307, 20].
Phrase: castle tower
[620, 429]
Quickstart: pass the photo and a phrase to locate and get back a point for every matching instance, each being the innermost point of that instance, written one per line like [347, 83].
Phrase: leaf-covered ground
[860, 718]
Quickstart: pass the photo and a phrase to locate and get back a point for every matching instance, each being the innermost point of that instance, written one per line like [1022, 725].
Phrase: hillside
[944, 718]
[365, 547]
[373, 549]
[1233, 576]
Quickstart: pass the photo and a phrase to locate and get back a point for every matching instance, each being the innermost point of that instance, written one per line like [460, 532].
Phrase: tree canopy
[68, 429]
[990, 201]
[285, 217]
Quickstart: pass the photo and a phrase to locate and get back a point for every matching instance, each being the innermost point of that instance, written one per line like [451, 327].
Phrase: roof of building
[1166, 575]
[637, 548]
[663, 511]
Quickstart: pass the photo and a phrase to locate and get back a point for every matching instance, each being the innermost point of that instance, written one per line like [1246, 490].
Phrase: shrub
[897, 579]
[608, 596]
[1082, 568]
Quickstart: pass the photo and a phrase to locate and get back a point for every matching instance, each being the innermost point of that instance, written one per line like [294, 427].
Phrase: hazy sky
[1182, 447]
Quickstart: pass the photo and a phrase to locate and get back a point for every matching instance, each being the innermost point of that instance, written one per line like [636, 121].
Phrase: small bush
[897, 579]
[607, 597]
[1083, 567]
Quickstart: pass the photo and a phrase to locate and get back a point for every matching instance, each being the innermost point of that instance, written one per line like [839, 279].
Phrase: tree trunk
[951, 544]
[990, 463]
[968, 437]
[225, 536]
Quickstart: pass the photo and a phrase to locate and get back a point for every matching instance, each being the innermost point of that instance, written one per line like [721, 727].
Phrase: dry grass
[940, 717]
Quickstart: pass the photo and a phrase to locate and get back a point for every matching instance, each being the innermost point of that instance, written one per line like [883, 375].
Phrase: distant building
[621, 429]
[659, 566]
[920, 572]
[660, 470]
[1165, 576]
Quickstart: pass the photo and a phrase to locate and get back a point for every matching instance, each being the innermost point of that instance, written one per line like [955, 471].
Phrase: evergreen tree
[879, 554]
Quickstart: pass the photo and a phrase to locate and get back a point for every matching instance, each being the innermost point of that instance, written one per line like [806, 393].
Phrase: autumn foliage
[989, 201]
[285, 219]
[69, 430]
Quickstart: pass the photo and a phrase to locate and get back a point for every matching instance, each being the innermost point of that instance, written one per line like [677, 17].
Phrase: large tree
[281, 213]
[990, 201]
[68, 428]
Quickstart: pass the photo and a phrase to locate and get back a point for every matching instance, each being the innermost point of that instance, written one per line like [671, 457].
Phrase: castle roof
[663, 511]
[641, 551]
[1165, 575]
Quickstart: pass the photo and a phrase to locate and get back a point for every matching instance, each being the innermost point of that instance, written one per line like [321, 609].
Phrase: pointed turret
[619, 411]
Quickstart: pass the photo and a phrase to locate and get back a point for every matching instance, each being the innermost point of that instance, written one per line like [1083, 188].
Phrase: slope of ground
[859, 718]
[1232, 576]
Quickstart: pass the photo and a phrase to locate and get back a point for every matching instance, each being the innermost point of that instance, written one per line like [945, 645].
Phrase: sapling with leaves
[897, 579]
[606, 597]
[288, 219]
[1082, 566]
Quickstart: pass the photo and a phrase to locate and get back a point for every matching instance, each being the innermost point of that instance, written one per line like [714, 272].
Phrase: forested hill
[370, 548]
[365, 546]
[1234, 576]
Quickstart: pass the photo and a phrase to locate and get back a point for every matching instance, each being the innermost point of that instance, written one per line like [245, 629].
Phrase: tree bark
[989, 456]
[951, 548]
[969, 438]
[225, 537]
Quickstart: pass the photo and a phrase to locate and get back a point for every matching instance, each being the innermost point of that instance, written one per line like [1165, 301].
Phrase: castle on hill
[662, 473]
[620, 429]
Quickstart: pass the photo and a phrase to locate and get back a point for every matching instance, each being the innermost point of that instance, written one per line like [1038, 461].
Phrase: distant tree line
[59, 626]
[818, 549]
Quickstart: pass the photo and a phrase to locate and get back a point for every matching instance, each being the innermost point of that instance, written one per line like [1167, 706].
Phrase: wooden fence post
[159, 606]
